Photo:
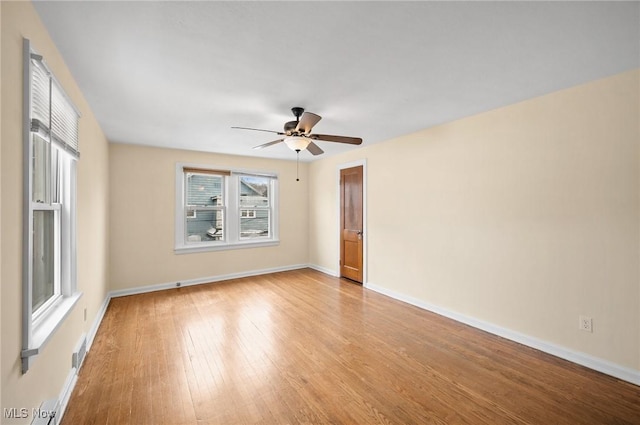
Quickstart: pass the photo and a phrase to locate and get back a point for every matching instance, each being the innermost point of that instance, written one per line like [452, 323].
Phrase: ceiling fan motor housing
[290, 127]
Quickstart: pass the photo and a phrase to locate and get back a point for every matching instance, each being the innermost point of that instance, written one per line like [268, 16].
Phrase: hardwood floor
[301, 347]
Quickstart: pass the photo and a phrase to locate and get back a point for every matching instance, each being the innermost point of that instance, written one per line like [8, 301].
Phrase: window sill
[206, 247]
[49, 324]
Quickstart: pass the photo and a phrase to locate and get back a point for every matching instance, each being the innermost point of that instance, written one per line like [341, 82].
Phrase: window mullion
[232, 205]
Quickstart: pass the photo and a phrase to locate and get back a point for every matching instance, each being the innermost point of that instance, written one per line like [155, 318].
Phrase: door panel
[351, 223]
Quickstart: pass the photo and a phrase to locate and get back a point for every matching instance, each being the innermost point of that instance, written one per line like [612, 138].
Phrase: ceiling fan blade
[307, 121]
[264, 145]
[339, 139]
[258, 129]
[314, 149]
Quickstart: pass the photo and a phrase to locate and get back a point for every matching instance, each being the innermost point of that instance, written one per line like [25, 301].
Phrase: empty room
[301, 212]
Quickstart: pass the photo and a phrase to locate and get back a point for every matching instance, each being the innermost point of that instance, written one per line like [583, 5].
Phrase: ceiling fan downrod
[297, 112]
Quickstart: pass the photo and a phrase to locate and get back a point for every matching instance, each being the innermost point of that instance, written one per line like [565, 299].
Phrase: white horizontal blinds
[64, 121]
[52, 113]
[199, 170]
[40, 98]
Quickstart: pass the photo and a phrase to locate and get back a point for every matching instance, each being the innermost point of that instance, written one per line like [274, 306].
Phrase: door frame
[365, 233]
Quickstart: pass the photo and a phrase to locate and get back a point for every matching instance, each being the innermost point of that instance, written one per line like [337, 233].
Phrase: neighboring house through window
[224, 209]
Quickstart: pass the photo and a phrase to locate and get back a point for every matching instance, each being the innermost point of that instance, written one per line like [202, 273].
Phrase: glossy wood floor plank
[304, 348]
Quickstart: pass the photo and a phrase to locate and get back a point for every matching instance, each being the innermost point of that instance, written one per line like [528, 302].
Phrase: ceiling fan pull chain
[297, 164]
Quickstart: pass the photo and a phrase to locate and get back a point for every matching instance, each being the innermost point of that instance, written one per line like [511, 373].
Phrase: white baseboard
[65, 394]
[200, 281]
[96, 322]
[324, 270]
[600, 365]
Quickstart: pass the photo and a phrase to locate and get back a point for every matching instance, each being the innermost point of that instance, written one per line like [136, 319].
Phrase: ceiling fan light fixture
[297, 143]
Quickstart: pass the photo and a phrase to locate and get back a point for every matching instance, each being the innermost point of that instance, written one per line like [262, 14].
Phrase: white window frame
[41, 312]
[231, 212]
[38, 326]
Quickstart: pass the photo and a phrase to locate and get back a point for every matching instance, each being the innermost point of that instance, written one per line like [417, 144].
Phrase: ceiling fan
[297, 134]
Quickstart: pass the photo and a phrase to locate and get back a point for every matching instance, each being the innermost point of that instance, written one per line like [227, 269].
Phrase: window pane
[255, 227]
[254, 191]
[204, 225]
[43, 257]
[41, 171]
[204, 190]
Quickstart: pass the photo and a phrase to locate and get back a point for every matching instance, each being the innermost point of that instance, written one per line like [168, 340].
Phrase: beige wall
[50, 369]
[142, 217]
[524, 217]
[0, 203]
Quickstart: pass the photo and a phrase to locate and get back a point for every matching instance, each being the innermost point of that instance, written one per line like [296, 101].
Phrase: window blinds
[40, 105]
[206, 171]
[202, 170]
[53, 114]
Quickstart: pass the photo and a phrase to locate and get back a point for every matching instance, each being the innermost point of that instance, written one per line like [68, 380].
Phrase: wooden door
[351, 223]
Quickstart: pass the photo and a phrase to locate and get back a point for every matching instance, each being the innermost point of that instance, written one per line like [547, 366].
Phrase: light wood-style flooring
[302, 347]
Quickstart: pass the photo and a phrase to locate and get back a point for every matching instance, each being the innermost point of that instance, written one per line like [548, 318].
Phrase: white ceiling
[180, 74]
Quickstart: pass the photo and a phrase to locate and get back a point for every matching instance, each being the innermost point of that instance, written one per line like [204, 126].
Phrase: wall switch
[585, 324]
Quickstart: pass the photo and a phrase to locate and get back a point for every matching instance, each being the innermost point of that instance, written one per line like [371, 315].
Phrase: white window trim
[231, 215]
[38, 327]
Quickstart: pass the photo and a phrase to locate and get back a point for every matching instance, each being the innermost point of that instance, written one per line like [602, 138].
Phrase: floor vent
[79, 353]
[46, 414]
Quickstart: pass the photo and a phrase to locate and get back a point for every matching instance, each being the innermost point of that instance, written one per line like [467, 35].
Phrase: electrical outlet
[585, 324]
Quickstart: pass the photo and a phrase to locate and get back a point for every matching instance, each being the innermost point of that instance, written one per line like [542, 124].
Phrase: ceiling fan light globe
[297, 143]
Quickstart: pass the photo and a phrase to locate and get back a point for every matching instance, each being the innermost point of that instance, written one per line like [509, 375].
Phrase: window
[254, 193]
[224, 209]
[49, 256]
[204, 206]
